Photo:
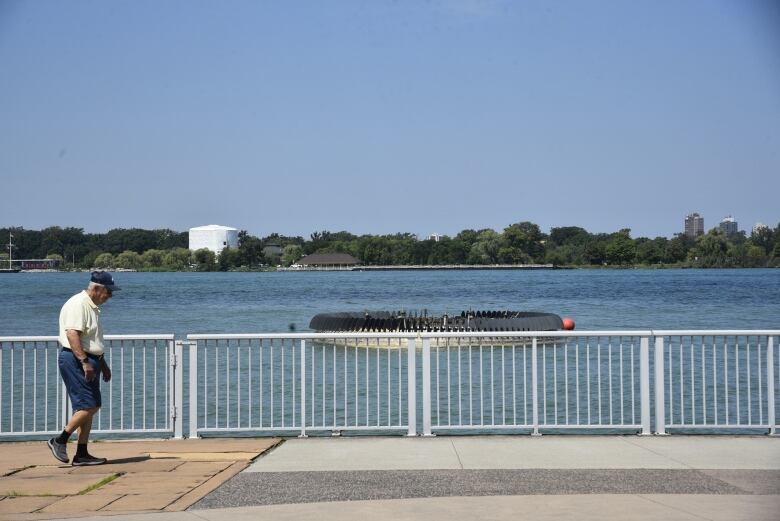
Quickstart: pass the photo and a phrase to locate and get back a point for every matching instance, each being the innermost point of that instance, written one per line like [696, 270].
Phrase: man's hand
[106, 372]
[89, 371]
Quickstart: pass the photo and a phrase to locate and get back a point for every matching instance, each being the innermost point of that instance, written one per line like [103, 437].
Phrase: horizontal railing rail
[427, 382]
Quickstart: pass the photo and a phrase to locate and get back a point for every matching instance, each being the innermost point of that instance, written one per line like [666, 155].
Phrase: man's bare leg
[79, 418]
[86, 427]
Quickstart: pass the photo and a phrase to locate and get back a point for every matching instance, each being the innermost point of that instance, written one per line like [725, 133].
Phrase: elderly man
[81, 361]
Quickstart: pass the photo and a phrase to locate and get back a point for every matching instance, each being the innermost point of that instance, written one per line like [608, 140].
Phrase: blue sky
[382, 117]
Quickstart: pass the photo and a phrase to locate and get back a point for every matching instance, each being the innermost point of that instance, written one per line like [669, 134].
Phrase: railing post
[660, 399]
[193, 348]
[303, 389]
[644, 384]
[411, 382]
[770, 385]
[65, 416]
[178, 388]
[534, 390]
[426, 386]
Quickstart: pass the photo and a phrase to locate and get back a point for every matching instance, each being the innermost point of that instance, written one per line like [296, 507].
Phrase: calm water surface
[233, 395]
[184, 303]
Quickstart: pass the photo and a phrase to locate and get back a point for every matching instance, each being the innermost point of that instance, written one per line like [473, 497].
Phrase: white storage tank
[213, 237]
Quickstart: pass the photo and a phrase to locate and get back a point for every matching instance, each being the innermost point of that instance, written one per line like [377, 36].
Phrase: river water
[252, 385]
[183, 303]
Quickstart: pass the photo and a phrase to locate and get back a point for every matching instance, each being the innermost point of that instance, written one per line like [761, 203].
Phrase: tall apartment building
[758, 227]
[728, 225]
[694, 225]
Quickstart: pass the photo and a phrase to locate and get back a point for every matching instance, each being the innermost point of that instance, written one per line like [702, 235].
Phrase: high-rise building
[694, 225]
[758, 227]
[728, 225]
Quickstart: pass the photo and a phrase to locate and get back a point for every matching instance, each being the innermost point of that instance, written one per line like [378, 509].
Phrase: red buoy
[568, 324]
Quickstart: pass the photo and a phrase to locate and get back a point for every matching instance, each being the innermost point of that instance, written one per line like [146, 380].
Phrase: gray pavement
[501, 477]
[668, 507]
[269, 488]
[522, 452]
[357, 469]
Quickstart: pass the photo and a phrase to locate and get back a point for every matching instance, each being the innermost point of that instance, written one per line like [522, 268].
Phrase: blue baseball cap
[104, 279]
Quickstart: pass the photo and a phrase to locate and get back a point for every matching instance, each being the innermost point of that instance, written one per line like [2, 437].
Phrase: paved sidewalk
[504, 508]
[149, 476]
[523, 452]
[552, 468]
[453, 478]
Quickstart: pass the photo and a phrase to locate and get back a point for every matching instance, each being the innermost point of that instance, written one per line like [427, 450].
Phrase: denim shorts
[83, 394]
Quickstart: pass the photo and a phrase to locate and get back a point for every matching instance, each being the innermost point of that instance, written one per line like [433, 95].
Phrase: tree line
[518, 243]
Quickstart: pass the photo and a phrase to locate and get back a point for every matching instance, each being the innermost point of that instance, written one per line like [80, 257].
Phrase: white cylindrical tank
[213, 237]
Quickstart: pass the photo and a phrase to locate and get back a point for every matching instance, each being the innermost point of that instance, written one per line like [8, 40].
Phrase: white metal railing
[596, 380]
[481, 382]
[314, 382]
[427, 383]
[716, 379]
[138, 399]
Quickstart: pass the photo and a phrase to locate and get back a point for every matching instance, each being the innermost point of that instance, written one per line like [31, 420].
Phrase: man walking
[81, 362]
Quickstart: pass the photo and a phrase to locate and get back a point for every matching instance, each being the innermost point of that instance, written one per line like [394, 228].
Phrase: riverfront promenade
[349, 478]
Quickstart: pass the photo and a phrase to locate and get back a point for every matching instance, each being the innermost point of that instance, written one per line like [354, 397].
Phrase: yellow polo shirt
[81, 314]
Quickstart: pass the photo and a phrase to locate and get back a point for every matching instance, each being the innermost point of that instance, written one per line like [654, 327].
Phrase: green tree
[620, 249]
[467, 238]
[526, 239]
[229, 258]
[677, 248]
[485, 249]
[567, 254]
[291, 253]
[204, 260]
[104, 260]
[250, 249]
[569, 235]
[556, 257]
[321, 241]
[651, 251]
[128, 260]
[166, 239]
[152, 258]
[711, 250]
[283, 240]
[88, 261]
[774, 260]
[755, 257]
[594, 251]
[177, 259]
[764, 238]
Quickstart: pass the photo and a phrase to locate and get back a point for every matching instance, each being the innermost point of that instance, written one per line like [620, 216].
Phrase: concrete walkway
[523, 452]
[474, 477]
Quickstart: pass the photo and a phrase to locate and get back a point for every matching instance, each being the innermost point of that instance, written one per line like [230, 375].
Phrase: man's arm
[74, 340]
[105, 369]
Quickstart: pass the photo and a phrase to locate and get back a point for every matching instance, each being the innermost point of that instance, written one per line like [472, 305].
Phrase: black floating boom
[401, 321]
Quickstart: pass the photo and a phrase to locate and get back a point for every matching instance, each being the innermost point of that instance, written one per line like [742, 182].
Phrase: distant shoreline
[456, 267]
[430, 267]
